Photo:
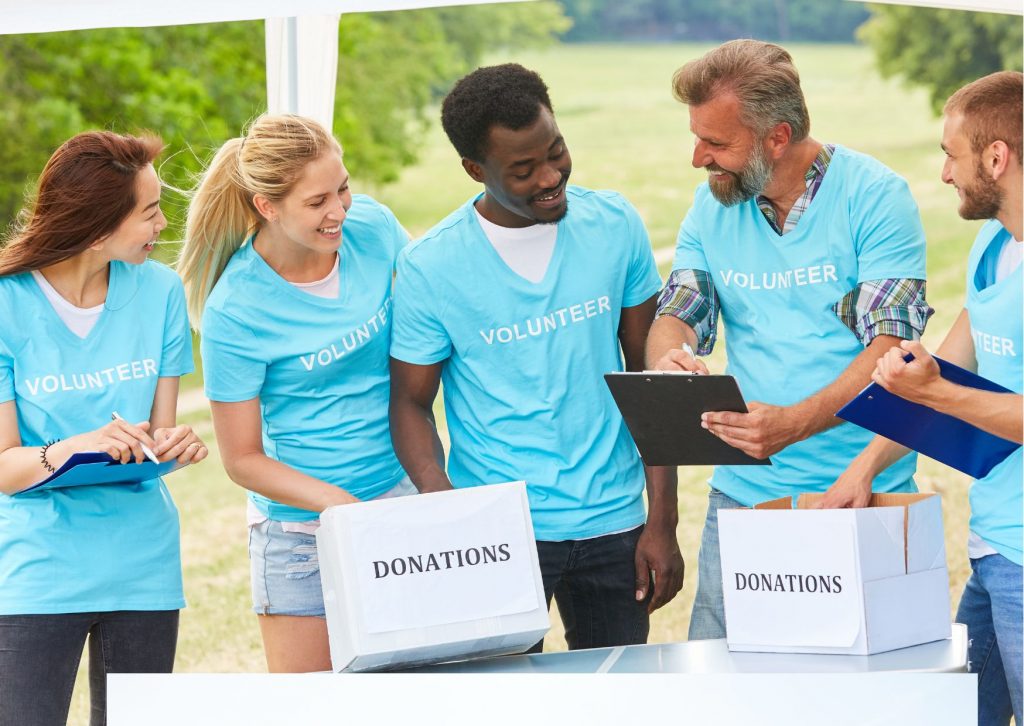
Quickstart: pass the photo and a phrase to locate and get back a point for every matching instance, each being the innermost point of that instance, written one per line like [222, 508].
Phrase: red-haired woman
[88, 326]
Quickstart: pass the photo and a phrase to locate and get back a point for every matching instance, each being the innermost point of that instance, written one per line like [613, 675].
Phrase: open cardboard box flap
[924, 546]
[810, 499]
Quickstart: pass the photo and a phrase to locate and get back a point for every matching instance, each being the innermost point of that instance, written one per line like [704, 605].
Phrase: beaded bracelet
[42, 456]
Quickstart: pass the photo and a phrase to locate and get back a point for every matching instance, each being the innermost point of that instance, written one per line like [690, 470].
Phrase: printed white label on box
[447, 560]
[790, 579]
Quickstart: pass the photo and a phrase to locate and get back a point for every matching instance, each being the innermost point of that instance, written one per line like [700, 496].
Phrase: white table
[716, 686]
[713, 656]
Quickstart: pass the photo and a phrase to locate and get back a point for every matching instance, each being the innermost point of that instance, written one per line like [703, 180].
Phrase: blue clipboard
[93, 467]
[944, 438]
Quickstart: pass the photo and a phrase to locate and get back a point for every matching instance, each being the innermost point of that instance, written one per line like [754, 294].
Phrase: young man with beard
[520, 301]
[982, 138]
[813, 255]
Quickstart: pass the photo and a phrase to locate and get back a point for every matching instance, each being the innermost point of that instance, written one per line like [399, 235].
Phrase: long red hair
[86, 190]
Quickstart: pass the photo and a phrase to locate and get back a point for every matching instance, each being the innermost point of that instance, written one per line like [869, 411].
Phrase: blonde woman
[290, 274]
[88, 326]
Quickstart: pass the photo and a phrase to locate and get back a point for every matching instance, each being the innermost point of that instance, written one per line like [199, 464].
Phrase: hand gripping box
[843, 581]
[430, 578]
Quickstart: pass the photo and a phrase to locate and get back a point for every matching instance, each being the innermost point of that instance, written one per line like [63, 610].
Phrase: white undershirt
[79, 320]
[327, 287]
[1009, 260]
[526, 250]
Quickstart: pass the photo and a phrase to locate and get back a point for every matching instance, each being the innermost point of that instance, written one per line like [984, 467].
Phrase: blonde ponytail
[219, 219]
[268, 161]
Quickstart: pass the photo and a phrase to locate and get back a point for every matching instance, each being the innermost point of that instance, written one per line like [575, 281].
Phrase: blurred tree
[198, 85]
[942, 49]
[194, 85]
[392, 65]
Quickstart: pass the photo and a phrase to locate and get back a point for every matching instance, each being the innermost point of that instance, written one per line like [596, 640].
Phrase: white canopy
[39, 16]
[302, 49]
[1010, 7]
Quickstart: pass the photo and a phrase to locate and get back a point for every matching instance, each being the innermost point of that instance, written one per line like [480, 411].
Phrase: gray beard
[748, 182]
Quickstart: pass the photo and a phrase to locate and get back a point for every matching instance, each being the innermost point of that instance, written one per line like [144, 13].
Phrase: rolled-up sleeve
[690, 296]
[894, 306]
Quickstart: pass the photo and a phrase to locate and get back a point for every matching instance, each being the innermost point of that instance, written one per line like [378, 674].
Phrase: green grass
[615, 109]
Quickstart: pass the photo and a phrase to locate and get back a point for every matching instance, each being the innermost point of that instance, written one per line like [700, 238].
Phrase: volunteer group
[326, 335]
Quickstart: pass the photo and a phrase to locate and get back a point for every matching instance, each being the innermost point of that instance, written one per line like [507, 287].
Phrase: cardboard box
[429, 578]
[843, 581]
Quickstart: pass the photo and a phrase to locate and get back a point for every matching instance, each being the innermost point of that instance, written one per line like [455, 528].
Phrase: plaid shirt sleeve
[690, 296]
[895, 307]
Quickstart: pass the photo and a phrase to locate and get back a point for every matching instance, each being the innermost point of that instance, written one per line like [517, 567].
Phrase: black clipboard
[662, 412]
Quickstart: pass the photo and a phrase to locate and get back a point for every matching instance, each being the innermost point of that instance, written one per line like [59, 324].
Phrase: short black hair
[507, 95]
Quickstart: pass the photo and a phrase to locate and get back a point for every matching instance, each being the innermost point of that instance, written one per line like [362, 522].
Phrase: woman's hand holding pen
[180, 443]
[120, 439]
[126, 442]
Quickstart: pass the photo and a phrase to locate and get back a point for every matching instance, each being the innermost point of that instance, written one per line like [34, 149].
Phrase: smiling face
[524, 174]
[980, 196]
[134, 238]
[735, 159]
[311, 215]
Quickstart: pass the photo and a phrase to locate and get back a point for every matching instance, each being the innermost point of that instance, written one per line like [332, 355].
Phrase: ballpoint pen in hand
[701, 368]
[145, 449]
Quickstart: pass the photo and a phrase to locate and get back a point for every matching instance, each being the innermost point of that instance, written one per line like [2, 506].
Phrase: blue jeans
[993, 611]
[39, 656]
[707, 620]
[594, 583]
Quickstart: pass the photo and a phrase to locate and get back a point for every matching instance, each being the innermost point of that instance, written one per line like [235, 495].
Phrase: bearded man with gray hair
[814, 257]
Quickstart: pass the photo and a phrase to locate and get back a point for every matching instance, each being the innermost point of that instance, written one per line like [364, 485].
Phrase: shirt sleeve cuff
[894, 307]
[690, 297]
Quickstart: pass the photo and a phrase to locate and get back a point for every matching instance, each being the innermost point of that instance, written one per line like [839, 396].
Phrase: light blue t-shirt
[319, 366]
[102, 547]
[997, 327]
[524, 391]
[783, 340]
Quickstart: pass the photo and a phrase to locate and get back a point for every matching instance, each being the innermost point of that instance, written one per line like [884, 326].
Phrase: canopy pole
[292, 64]
[302, 66]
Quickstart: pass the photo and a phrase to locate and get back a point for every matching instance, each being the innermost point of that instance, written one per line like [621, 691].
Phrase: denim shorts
[285, 571]
[285, 568]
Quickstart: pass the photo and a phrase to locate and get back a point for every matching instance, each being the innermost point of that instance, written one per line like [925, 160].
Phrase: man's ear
[264, 207]
[996, 159]
[777, 139]
[475, 171]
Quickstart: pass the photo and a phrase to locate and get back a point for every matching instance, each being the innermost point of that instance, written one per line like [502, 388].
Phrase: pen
[145, 449]
[687, 349]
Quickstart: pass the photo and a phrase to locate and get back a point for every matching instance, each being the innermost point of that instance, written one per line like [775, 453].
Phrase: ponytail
[220, 217]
